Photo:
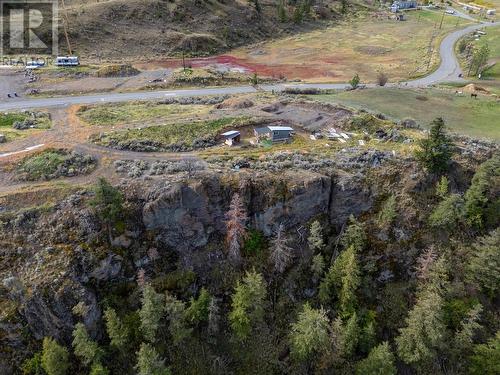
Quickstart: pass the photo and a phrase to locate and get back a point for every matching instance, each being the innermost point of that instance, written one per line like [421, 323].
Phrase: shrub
[382, 79]
[354, 82]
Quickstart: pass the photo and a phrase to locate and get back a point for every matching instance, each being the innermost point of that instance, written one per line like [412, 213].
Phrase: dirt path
[69, 132]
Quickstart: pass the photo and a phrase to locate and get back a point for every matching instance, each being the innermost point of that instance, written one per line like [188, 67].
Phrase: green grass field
[7, 120]
[187, 135]
[115, 114]
[463, 115]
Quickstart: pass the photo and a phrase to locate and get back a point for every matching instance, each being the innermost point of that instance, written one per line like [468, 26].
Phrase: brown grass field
[364, 46]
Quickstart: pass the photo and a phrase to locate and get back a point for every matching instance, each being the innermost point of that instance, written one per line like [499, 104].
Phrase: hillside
[142, 28]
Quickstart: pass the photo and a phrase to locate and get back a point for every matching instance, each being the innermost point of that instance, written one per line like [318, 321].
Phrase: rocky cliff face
[51, 272]
[186, 215]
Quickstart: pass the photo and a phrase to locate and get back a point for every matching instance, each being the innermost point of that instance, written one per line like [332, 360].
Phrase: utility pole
[442, 19]
[65, 27]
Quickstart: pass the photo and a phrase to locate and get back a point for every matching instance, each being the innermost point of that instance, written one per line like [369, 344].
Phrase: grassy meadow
[364, 46]
[463, 115]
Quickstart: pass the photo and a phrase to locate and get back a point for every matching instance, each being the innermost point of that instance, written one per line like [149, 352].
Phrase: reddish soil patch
[290, 71]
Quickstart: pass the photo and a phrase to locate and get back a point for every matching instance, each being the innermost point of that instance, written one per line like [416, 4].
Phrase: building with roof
[274, 133]
[232, 137]
[403, 4]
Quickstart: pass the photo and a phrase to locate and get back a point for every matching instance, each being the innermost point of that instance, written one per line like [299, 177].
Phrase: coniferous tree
[423, 336]
[318, 266]
[117, 331]
[315, 239]
[354, 235]
[198, 310]
[463, 341]
[151, 312]
[486, 358]
[85, 348]
[98, 369]
[437, 149]
[107, 203]
[309, 334]
[55, 358]
[176, 311]
[342, 279]
[149, 361]
[482, 201]
[247, 307]
[380, 361]
[483, 268]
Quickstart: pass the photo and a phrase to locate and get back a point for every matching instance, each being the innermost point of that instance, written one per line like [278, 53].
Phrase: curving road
[447, 71]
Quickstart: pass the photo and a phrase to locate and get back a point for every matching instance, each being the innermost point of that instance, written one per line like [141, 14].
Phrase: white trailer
[67, 61]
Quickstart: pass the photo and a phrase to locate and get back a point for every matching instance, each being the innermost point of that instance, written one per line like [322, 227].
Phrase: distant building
[274, 133]
[403, 4]
[232, 137]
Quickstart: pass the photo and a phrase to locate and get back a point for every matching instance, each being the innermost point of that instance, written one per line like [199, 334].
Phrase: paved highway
[447, 71]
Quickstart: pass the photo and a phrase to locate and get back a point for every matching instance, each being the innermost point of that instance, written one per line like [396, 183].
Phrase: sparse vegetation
[170, 137]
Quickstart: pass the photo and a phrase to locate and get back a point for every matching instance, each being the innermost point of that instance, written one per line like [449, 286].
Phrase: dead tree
[281, 253]
[236, 229]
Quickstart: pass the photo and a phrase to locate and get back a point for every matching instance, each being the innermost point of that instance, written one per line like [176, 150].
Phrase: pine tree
[282, 15]
[344, 278]
[85, 348]
[281, 254]
[448, 213]
[436, 150]
[318, 266]
[151, 312]
[55, 358]
[176, 311]
[463, 342]
[442, 187]
[380, 361]
[481, 199]
[107, 203]
[149, 361]
[349, 337]
[198, 310]
[424, 331]
[388, 213]
[98, 369]
[235, 225]
[354, 235]
[117, 331]
[486, 358]
[483, 268]
[309, 334]
[315, 238]
[247, 307]
[350, 281]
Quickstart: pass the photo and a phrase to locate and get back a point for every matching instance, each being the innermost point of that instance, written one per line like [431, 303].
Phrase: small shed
[274, 133]
[232, 137]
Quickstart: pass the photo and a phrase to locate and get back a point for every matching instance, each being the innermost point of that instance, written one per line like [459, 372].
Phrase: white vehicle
[450, 11]
[32, 66]
[67, 61]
